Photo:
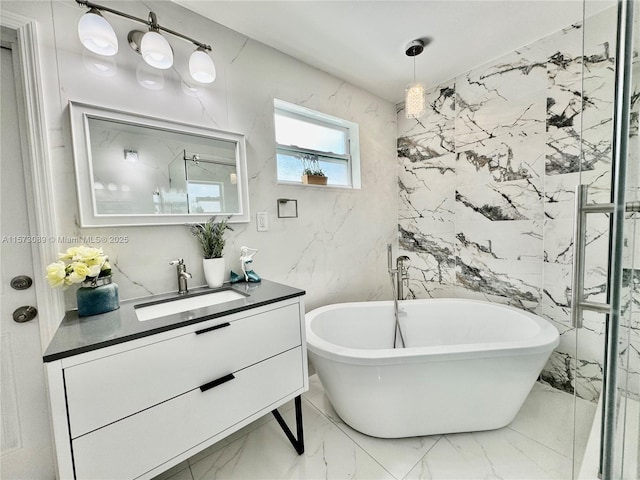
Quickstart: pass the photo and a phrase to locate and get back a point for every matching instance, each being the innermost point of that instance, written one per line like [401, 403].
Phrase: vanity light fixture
[414, 103]
[201, 66]
[97, 35]
[153, 47]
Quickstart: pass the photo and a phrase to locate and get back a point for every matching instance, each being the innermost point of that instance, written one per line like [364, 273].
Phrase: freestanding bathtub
[468, 365]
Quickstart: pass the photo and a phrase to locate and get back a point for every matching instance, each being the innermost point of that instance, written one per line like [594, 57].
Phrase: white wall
[335, 250]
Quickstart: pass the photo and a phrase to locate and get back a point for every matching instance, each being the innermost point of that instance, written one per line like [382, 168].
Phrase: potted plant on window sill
[210, 235]
[312, 174]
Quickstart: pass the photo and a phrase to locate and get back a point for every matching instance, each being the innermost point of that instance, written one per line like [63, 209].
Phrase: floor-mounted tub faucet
[402, 274]
[183, 275]
[396, 275]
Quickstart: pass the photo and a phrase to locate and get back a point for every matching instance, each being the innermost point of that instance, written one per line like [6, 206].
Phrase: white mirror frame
[80, 113]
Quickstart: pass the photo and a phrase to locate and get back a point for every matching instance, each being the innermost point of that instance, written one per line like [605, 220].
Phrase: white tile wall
[335, 250]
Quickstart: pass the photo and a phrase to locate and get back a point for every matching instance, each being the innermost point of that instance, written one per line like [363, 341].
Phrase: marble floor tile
[503, 454]
[398, 455]
[265, 453]
[536, 445]
[547, 417]
[234, 436]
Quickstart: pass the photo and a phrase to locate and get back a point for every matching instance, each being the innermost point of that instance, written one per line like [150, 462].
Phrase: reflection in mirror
[138, 171]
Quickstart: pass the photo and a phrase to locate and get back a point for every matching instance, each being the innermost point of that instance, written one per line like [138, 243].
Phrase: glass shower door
[618, 300]
[623, 422]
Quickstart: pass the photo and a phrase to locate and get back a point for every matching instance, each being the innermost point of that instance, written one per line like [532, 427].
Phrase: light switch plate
[262, 220]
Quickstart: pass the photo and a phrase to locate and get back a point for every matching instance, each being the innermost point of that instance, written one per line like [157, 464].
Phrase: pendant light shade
[201, 67]
[414, 102]
[156, 51]
[96, 34]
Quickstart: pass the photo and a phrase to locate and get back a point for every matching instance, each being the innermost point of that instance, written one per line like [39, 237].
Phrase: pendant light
[414, 103]
[96, 34]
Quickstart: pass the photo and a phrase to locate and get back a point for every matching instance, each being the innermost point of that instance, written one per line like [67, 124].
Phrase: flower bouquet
[78, 265]
[89, 267]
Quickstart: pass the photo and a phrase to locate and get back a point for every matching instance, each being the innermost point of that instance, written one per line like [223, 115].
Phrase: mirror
[137, 170]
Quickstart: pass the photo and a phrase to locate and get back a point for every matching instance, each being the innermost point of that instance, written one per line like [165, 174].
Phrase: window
[303, 134]
[205, 197]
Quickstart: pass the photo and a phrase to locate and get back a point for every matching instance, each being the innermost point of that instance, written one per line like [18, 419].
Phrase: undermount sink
[184, 304]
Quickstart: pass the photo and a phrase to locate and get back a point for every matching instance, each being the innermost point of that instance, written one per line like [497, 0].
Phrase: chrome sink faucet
[183, 275]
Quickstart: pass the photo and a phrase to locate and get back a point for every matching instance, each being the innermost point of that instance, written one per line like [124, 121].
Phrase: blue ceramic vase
[97, 296]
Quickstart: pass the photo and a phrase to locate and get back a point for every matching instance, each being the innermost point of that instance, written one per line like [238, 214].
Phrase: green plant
[311, 166]
[211, 236]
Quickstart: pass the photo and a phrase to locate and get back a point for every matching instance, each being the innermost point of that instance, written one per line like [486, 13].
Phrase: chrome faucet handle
[402, 263]
[183, 275]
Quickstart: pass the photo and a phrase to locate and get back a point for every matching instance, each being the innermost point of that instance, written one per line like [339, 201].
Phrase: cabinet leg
[298, 443]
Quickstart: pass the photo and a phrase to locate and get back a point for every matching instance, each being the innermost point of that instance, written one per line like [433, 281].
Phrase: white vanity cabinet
[136, 408]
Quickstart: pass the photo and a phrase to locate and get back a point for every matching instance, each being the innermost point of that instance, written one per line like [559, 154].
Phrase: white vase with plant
[210, 235]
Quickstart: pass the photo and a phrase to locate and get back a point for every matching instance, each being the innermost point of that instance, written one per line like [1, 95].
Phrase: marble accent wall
[486, 184]
[630, 323]
[335, 250]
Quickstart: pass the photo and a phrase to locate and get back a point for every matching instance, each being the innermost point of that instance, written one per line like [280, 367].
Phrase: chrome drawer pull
[215, 327]
[215, 383]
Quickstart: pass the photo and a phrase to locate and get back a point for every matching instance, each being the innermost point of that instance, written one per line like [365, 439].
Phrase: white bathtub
[468, 365]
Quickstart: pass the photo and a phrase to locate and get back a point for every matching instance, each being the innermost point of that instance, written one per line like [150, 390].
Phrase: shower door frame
[617, 209]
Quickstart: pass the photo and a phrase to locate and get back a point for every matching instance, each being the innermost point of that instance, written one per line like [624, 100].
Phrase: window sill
[283, 183]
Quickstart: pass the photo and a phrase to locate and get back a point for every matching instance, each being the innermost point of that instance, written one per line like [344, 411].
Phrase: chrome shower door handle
[578, 303]
[579, 244]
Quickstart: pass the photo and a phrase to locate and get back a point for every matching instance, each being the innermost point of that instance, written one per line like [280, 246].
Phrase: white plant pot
[214, 270]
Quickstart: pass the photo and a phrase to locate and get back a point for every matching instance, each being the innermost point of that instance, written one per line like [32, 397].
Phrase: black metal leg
[298, 443]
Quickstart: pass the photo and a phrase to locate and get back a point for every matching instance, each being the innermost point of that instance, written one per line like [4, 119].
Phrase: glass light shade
[414, 104]
[156, 51]
[96, 34]
[201, 67]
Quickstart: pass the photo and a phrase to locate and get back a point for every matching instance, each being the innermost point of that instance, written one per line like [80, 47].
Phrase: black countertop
[77, 335]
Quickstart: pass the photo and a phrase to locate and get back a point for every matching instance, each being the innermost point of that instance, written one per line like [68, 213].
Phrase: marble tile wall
[630, 331]
[332, 251]
[486, 183]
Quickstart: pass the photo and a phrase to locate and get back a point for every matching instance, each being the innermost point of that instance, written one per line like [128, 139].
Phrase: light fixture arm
[152, 22]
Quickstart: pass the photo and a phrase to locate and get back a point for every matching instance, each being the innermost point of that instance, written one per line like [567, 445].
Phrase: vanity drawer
[105, 390]
[137, 444]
